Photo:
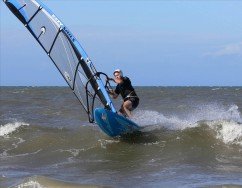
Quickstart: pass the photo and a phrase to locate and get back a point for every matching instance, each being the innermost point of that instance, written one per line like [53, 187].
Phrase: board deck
[114, 124]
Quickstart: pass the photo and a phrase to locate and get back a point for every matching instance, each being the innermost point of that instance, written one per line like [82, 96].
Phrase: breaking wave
[225, 121]
[43, 182]
[11, 127]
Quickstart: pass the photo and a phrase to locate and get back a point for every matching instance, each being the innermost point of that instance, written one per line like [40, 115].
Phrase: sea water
[191, 137]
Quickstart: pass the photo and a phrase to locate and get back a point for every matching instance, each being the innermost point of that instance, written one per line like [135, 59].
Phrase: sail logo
[57, 20]
[64, 28]
[69, 34]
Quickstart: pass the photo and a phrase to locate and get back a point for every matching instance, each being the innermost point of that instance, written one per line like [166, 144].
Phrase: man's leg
[127, 106]
[121, 111]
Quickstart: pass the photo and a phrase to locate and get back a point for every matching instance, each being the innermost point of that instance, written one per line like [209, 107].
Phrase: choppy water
[192, 138]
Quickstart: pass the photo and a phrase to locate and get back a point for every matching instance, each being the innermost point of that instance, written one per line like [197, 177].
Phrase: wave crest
[225, 121]
[229, 132]
[9, 128]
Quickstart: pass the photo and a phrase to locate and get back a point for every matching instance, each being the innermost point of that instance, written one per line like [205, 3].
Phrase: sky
[155, 43]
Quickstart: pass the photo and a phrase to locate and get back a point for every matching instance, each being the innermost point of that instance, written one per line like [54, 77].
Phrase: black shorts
[134, 101]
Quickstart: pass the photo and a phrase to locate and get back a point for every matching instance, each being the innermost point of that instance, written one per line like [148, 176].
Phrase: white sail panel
[64, 50]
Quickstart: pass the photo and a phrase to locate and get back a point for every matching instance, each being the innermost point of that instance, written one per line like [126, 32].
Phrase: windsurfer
[125, 88]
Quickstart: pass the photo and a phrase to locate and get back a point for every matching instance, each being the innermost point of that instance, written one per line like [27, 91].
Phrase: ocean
[192, 137]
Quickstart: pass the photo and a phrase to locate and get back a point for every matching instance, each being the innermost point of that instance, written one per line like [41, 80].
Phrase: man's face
[117, 75]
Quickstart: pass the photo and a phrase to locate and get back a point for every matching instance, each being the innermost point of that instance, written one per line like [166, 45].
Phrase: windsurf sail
[65, 52]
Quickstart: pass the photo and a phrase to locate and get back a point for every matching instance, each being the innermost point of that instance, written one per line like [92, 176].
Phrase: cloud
[225, 50]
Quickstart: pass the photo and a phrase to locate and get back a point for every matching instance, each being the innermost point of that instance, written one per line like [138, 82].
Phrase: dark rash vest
[125, 88]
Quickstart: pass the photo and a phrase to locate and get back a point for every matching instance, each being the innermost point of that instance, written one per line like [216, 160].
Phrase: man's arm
[111, 79]
[113, 94]
[116, 80]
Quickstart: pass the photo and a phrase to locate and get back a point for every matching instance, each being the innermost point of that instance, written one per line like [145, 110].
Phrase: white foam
[73, 152]
[104, 143]
[207, 112]
[156, 120]
[30, 183]
[225, 120]
[10, 128]
[229, 132]
[216, 112]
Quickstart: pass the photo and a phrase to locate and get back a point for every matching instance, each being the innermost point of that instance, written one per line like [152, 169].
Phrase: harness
[129, 96]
